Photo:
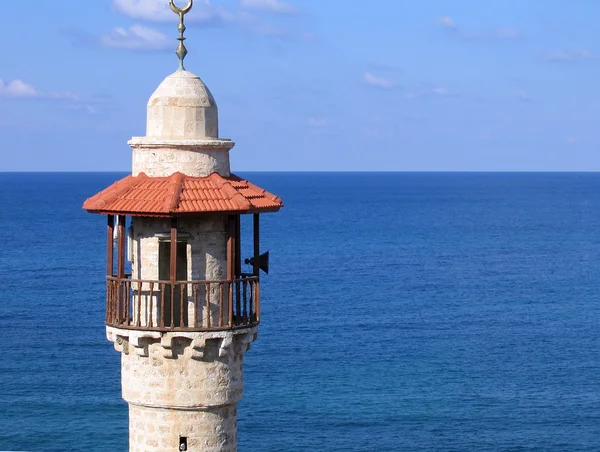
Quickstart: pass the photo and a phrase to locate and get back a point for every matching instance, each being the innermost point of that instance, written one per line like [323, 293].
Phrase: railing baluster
[118, 293]
[117, 300]
[108, 300]
[238, 303]
[121, 292]
[151, 305]
[172, 287]
[251, 302]
[129, 302]
[257, 286]
[118, 296]
[139, 307]
[230, 303]
[162, 305]
[220, 305]
[113, 303]
[195, 290]
[182, 302]
[244, 291]
[207, 295]
[122, 301]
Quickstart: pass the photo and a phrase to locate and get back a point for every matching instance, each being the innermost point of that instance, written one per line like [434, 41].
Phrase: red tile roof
[180, 194]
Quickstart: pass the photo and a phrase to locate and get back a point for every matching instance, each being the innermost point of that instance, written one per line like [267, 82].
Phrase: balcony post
[230, 264]
[120, 309]
[173, 262]
[110, 230]
[121, 246]
[110, 245]
[173, 269]
[256, 269]
[238, 266]
[238, 246]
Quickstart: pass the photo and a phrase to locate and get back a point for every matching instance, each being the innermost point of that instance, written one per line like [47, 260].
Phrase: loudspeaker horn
[263, 261]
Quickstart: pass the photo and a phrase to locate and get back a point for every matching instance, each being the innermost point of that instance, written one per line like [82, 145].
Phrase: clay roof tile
[164, 196]
[174, 189]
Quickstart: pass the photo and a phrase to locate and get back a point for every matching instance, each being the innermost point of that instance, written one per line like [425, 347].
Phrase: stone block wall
[182, 386]
[206, 260]
[161, 430]
[206, 248]
[163, 161]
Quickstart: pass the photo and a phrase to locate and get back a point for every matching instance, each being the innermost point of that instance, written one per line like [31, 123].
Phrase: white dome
[182, 107]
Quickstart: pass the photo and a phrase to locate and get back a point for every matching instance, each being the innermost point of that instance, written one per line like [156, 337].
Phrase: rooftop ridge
[174, 190]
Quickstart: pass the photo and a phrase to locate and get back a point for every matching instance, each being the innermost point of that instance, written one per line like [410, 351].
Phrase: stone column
[182, 388]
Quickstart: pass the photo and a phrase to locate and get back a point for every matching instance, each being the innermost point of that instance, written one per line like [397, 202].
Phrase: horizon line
[330, 171]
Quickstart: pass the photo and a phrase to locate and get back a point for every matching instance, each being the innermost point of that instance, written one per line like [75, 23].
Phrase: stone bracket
[136, 341]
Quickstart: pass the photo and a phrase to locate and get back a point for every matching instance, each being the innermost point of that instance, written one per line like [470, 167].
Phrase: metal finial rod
[181, 50]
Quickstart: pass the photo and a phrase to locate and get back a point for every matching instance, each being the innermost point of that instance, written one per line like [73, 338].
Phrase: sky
[310, 85]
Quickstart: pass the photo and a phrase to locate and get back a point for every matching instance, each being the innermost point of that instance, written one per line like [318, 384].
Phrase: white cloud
[17, 88]
[310, 37]
[572, 55]
[259, 26]
[450, 26]
[159, 11]
[203, 12]
[275, 6]
[137, 37]
[570, 139]
[446, 22]
[378, 82]
[153, 10]
[524, 97]
[439, 91]
[506, 33]
[83, 107]
[378, 132]
[443, 92]
[317, 122]
[486, 135]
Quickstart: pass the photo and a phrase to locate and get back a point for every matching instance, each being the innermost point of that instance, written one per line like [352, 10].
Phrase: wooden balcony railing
[183, 305]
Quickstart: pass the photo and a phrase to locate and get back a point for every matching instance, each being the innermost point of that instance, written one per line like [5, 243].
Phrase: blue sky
[307, 85]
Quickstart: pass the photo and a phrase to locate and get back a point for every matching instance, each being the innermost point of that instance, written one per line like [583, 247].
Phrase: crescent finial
[181, 12]
[177, 10]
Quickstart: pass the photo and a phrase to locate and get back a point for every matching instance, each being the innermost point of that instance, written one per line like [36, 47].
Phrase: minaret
[178, 306]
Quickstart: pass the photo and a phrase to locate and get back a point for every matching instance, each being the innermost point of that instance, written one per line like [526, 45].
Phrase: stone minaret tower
[179, 308]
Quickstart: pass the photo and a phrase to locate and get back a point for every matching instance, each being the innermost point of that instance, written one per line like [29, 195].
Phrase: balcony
[190, 306]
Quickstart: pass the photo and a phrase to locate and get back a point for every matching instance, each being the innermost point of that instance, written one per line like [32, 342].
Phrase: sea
[402, 312]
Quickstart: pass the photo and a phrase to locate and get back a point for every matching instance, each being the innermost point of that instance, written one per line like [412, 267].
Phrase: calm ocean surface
[403, 312]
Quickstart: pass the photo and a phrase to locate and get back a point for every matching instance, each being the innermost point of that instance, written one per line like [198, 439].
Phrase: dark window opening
[182, 443]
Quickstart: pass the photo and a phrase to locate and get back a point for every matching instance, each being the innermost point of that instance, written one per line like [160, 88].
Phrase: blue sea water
[403, 312]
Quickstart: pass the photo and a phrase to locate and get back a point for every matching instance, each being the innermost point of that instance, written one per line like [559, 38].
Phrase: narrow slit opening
[182, 443]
